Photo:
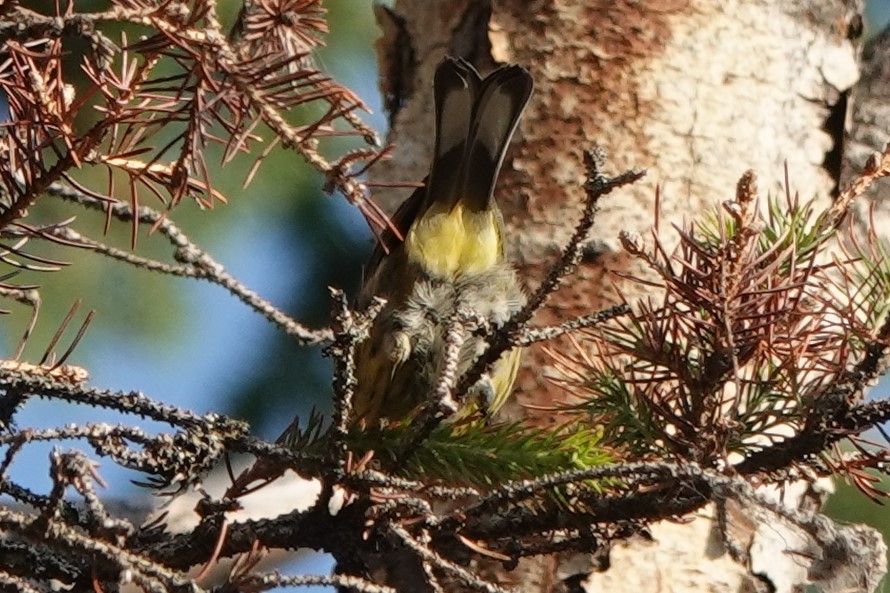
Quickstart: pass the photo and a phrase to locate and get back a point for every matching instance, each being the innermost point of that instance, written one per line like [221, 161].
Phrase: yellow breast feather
[459, 241]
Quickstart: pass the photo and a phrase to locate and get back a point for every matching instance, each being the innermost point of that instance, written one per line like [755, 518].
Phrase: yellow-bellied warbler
[450, 256]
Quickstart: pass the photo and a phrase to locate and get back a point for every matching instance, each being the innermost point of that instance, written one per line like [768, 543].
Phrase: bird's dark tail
[475, 119]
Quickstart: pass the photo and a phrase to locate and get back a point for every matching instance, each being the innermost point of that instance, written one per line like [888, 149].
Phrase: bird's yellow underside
[457, 241]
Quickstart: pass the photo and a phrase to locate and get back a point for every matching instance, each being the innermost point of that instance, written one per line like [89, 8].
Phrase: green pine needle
[484, 456]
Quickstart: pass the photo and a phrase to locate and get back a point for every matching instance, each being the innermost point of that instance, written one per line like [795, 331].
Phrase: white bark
[695, 91]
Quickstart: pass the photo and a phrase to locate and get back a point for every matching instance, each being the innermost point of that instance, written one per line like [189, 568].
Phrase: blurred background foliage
[193, 345]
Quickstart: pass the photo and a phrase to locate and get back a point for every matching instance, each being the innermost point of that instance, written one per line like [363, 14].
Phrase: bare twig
[195, 262]
[275, 580]
[428, 555]
[349, 331]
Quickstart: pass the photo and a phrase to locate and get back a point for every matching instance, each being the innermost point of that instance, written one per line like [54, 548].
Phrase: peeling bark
[695, 91]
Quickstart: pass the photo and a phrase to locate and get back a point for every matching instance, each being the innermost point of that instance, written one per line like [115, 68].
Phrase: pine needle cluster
[747, 366]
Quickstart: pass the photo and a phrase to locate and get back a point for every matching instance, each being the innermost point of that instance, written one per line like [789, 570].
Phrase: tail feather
[498, 106]
[455, 88]
[475, 119]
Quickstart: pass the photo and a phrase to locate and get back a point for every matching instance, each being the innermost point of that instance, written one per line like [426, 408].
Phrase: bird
[444, 254]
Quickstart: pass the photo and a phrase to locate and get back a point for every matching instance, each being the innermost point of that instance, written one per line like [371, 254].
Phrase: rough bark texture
[695, 91]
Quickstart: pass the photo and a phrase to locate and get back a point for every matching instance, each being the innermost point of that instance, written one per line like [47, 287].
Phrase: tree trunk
[695, 91]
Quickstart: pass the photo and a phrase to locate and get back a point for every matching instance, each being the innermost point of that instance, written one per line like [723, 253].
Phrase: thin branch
[349, 331]
[17, 382]
[428, 555]
[347, 582]
[196, 263]
[506, 337]
[533, 335]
